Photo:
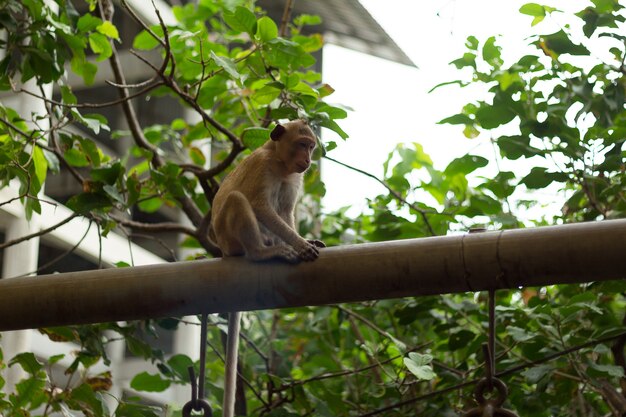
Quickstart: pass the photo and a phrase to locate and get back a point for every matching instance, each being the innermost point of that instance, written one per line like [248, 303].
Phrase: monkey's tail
[232, 352]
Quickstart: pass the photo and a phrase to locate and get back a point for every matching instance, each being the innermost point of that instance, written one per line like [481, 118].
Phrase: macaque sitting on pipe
[253, 211]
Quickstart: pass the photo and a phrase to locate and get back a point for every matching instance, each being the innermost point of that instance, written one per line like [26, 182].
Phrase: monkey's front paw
[289, 254]
[307, 251]
[317, 243]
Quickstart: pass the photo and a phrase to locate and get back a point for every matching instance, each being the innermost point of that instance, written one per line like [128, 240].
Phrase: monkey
[253, 216]
[253, 210]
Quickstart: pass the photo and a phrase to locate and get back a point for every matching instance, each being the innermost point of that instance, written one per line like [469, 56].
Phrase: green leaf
[53, 161]
[227, 64]
[536, 373]
[560, 43]
[605, 6]
[197, 156]
[242, 20]
[67, 95]
[491, 52]
[472, 43]
[88, 22]
[85, 399]
[266, 29]
[108, 175]
[533, 9]
[459, 340]
[61, 334]
[95, 122]
[133, 189]
[332, 125]
[519, 334]
[109, 30]
[539, 178]
[333, 112]
[41, 164]
[113, 192]
[30, 392]
[144, 41]
[127, 409]
[28, 362]
[307, 20]
[515, 147]
[150, 205]
[85, 69]
[179, 364]
[467, 60]
[266, 94]
[310, 43]
[75, 158]
[85, 202]
[420, 366]
[465, 164]
[286, 54]
[100, 45]
[457, 119]
[148, 382]
[491, 117]
[255, 137]
[610, 370]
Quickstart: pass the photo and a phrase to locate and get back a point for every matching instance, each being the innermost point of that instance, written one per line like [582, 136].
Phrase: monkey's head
[295, 143]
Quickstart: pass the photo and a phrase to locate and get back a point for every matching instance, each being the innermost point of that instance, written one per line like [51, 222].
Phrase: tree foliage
[559, 107]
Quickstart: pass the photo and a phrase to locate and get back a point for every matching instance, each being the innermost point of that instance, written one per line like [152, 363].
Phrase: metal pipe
[438, 265]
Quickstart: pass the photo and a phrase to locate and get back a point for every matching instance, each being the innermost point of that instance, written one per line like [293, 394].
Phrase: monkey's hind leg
[244, 234]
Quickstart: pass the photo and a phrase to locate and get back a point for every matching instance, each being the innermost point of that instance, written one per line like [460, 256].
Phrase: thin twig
[160, 242]
[58, 258]
[142, 23]
[164, 227]
[19, 197]
[328, 375]
[285, 19]
[40, 233]
[95, 105]
[423, 213]
[365, 321]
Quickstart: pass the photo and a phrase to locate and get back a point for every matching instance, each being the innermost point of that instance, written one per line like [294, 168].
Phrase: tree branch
[188, 206]
[187, 98]
[285, 19]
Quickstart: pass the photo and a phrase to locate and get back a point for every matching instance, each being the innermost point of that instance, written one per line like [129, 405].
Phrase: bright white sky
[391, 101]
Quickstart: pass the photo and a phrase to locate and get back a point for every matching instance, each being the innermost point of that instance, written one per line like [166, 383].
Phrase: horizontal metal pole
[438, 265]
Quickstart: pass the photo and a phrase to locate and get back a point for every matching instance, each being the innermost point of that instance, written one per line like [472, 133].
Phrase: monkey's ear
[277, 132]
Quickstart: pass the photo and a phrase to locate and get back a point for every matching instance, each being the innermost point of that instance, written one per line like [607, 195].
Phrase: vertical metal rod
[203, 331]
[492, 335]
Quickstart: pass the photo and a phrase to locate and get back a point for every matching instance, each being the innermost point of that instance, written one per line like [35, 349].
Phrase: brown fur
[253, 211]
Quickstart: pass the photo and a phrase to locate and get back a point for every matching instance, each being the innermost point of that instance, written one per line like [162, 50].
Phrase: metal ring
[199, 405]
[479, 392]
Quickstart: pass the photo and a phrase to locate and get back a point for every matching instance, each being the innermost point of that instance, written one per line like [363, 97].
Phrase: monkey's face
[295, 143]
[300, 151]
